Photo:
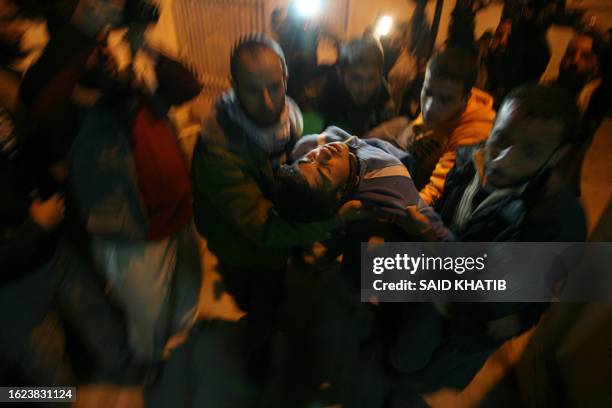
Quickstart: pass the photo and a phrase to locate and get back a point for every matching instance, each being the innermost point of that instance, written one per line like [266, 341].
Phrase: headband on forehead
[254, 40]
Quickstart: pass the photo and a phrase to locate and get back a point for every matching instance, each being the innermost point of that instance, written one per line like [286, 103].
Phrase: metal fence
[206, 31]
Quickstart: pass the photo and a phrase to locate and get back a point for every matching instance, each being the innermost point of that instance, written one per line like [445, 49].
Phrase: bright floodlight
[383, 27]
[308, 8]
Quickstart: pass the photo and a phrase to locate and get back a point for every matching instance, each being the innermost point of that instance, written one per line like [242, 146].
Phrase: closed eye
[325, 173]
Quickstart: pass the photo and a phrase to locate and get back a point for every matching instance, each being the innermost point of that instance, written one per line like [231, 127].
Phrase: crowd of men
[99, 258]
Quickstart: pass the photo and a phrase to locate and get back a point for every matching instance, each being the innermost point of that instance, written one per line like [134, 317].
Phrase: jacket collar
[465, 210]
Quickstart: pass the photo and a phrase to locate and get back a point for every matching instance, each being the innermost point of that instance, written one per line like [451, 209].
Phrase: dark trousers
[257, 291]
[60, 303]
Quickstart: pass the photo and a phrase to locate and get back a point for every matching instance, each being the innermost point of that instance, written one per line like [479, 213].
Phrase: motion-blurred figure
[135, 197]
[118, 149]
[585, 73]
[299, 37]
[56, 309]
[519, 51]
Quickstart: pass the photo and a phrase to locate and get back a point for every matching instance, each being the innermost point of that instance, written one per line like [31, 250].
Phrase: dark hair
[297, 201]
[456, 65]
[253, 44]
[547, 102]
[180, 84]
[601, 49]
[366, 50]
[140, 11]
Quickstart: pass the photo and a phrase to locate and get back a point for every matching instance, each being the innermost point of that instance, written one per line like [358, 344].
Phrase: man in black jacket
[507, 190]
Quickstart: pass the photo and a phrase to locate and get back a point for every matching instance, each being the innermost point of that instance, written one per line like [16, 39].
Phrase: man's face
[518, 147]
[12, 30]
[579, 64]
[260, 86]
[362, 82]
[11, 27]
[441, 100]
[326, 168]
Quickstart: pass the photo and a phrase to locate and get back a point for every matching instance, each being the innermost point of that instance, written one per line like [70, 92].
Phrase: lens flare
[308, 8]
[383, 27]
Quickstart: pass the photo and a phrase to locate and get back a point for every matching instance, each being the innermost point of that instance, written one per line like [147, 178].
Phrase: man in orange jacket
[454, 114]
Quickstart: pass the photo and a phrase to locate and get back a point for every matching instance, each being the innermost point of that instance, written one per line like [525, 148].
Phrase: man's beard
[267, 119]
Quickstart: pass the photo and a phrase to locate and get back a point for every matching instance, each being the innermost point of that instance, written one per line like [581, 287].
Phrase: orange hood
[474, 124]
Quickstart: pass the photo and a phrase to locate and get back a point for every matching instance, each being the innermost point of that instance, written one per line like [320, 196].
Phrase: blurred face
[326, 168]
[92, 16]
[11, 27]
[362, 82]
[12, 30]
[441, 100]
[519, 147]
[579, 64]
[260, 86]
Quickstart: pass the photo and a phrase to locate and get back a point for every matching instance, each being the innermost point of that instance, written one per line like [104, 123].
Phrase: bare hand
[48, 214]
[352, 211]
[415, 224]
[445, 397]
[418, 219]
